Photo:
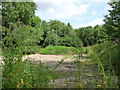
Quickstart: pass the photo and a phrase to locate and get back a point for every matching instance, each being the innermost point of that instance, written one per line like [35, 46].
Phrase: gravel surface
[59, 63]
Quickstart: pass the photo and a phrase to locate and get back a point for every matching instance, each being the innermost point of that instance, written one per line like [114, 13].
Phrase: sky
[79, 13]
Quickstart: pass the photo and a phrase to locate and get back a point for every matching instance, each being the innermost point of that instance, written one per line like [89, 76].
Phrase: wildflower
[104, 82]
[99, 85]
[4, 78]
[22, 81]
[81, 84]
[18, 86]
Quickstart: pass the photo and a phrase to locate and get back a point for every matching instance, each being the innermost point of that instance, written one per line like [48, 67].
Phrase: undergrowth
[25, 74]
[57, 50]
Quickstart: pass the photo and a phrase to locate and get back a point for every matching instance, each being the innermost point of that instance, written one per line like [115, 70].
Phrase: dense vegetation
[59, 50]
[24, 33]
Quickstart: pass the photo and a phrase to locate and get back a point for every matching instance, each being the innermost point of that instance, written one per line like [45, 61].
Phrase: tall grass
[25, 74]
[106, 56]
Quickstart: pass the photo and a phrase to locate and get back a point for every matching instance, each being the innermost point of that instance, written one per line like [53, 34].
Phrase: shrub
[108, 54]
[59, 50]
[31, 49]
[25, 74]
[70, 41]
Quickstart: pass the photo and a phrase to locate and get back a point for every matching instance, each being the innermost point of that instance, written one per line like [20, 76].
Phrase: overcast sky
[79, 13]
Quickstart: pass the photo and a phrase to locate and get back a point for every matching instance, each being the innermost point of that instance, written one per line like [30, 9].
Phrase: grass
[90, 75]
[57, 50]
[26, 74]
[100, 56]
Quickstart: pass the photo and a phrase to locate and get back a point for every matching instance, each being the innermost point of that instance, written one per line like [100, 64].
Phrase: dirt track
[51, 60]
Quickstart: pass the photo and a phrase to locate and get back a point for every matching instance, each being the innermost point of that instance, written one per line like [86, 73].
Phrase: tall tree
[14, 12]
[91, 35]
[20, 27]
[112, 21]
[112, 24]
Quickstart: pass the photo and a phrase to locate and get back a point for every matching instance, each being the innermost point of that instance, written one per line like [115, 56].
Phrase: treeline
[25, 31]
[21, 27]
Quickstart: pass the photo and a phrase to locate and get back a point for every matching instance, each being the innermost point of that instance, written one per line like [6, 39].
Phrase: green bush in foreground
[59, 50]
[25, 74]
[106, 56]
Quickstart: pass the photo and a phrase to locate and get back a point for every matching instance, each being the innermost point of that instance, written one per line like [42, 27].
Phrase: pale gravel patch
[48, 58]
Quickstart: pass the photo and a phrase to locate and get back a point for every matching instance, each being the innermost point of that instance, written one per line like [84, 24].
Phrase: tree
[14, 12]
[57, 27]
[85, 34]
[100, 35]
[70, 41]
[20, 27]
[51, 39]
[91, 35]
[112, 21]
[22, 38]
[112, 25]
[35, 22]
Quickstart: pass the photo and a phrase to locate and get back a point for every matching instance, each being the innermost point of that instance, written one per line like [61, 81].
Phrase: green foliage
[51, 39]
[88, 50]
[112, 21]
[23, 38]
[31, 49]
[25, 74]
[57, 27]
[59, 50]
[69, 41]
[108, 54]
[35, 22]
[13, 12]
[90, 35]
[57, 33]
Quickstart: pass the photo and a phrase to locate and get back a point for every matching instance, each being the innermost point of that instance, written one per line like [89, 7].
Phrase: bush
[59, 50]
[31, 49]
[25, 74]
[108, 54]
[70, 41]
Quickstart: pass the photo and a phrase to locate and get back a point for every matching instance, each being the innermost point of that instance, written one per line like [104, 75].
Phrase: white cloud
[55, 1]
[58, 1]
[97, 21]
[94, 12]
[71, 9]
[66, 11]
[97, 0]
[78, 19]
[83, 8]
[60, 9]
[51, 11]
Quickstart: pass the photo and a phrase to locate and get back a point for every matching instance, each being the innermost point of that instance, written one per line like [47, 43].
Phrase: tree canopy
[112, 21]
